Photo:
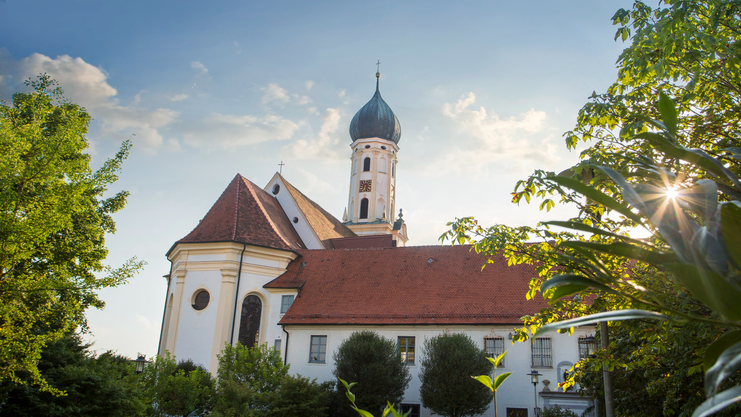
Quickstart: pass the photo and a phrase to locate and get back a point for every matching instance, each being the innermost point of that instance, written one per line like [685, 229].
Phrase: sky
[483, 90]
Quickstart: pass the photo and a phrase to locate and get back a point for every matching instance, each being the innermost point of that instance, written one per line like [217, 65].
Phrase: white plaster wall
[516, 392]
[195, 327]
[252, 284]
[291, 209]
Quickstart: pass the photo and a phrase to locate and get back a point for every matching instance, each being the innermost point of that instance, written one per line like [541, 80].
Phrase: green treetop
[53, 221]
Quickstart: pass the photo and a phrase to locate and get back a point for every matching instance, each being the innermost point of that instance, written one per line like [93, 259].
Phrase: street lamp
[534, 379]
[140, 362]
[590, 344]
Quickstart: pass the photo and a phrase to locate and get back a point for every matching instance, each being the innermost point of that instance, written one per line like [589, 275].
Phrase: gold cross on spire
[378, 69]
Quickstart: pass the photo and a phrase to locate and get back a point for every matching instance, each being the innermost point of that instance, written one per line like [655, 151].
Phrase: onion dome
[375, 120]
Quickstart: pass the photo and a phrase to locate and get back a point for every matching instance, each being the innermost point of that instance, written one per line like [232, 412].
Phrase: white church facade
[268, 265]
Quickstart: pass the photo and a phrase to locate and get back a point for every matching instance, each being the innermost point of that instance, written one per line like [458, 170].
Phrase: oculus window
[200, 300]
[318, 349]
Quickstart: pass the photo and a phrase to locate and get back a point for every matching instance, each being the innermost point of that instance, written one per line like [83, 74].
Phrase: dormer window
[366, 164]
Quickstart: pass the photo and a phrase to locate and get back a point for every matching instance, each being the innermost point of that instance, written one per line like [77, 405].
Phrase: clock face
[365, 186]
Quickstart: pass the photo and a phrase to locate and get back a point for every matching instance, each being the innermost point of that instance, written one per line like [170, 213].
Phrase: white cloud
[143, 321]
[309, 84]
[177, 97]
[342, 93]
[274, 92]
[88, 86]
[482, 137]
[199, 66]
[237, 47]
[202, 70]
[231, 131]
[324, 144]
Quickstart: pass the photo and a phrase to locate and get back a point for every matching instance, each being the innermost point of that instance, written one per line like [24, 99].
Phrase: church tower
[375, 132]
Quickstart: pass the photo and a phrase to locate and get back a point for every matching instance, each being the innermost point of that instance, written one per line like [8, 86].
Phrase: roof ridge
[265, 212]
[236, 208]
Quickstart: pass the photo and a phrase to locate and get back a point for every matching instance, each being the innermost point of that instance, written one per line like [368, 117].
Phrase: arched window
[364, 208]
[249, 323]
[366, 164]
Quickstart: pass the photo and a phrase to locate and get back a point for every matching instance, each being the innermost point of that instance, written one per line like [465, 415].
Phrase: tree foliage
[448, 388]
[245, 377]
[53, 221]
[664, 160]
[373, 363]
[181, 389]
[102, 386]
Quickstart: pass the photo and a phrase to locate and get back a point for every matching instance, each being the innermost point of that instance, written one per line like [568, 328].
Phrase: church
[269, 265]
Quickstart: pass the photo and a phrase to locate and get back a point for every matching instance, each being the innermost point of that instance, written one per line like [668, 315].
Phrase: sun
[671, 193]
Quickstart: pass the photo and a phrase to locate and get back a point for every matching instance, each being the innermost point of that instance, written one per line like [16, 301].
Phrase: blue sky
[483, 91]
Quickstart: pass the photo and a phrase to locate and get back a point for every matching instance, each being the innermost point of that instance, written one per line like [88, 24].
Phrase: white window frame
[283, 302]
[318, 355]
[541, 352]
[404, 350]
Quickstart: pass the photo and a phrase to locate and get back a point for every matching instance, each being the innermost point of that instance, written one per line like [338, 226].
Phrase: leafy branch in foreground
[389, 407]
[53, 222]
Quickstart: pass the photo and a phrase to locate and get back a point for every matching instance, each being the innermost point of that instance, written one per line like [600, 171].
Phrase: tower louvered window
[366, 164]
[249, 323]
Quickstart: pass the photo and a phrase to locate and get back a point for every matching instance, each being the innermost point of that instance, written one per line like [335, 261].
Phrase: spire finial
[378, 73]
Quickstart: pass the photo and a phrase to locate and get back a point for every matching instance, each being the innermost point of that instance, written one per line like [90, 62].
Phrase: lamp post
[534, 379]
[591, 345]
[140, 362]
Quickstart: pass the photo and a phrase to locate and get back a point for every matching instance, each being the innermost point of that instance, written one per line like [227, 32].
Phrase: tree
[245, 375]
[297, 396]
[374, 364]
[643, 151]
[182, 389]
[102, 386]
[448, 388]
[53, 221]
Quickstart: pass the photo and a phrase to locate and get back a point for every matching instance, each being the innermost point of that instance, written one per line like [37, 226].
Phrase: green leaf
[730, 226]
[566, 290]
[500, 379]
[498, 360]
[727, 364]
[578, 280]
[710, 288]
[716, 348]
[616, 315]
[363, 413]
[627, 250]
[350, 396]
[589, 229]
[596, 196]
[484, 379]
[718, 402]
[668, 113]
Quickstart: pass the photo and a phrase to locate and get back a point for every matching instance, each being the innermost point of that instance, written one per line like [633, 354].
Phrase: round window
[295, 219]
[367, 146]
[276, 189]
[383, 147]
[201, 299]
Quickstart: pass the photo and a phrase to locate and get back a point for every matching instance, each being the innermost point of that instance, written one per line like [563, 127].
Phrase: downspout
[285, 352]
[164, 310]
[236, 295]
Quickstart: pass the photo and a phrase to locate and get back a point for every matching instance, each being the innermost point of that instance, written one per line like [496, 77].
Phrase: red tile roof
[325, 225]
[406, 285]
[244, 213]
